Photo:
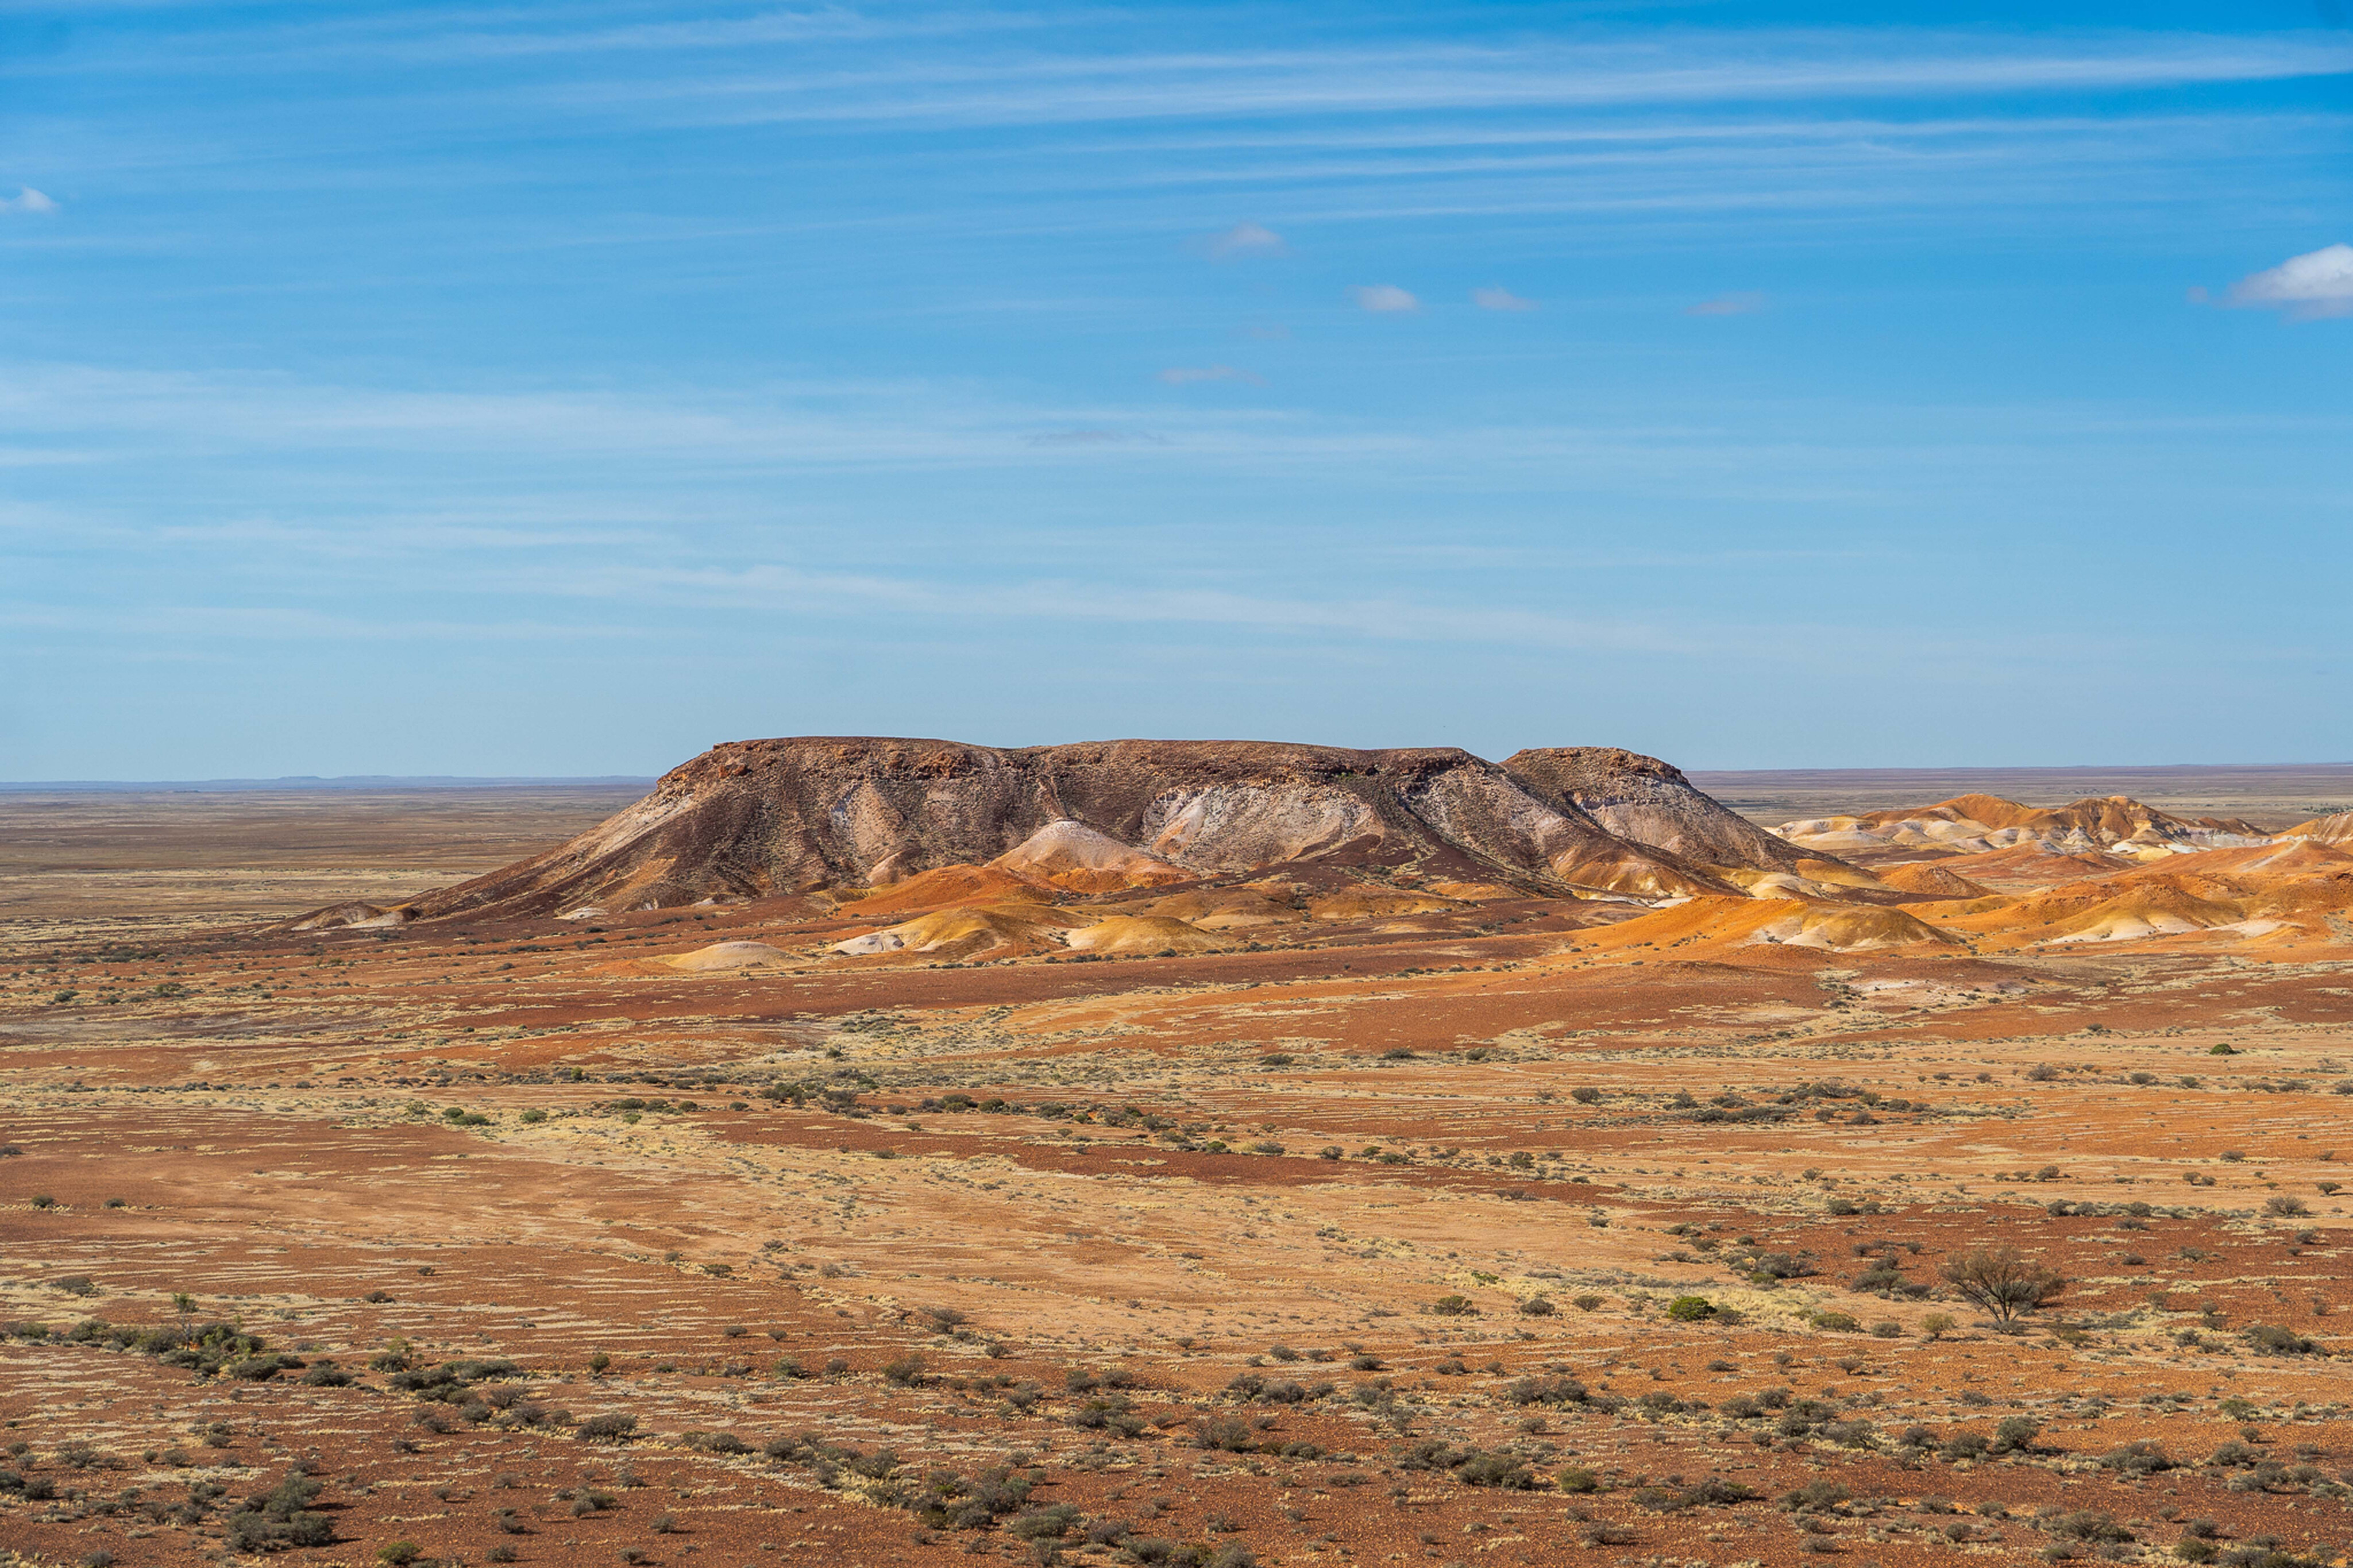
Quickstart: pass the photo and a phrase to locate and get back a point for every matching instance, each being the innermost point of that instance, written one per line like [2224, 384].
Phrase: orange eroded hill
[953, 885]
[1705, 926]
[1931, 880]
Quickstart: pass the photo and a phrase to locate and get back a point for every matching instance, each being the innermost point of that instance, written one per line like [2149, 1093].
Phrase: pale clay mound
[949, 886]
[1126, 936]
[1017, 927]
[1073, 855]
[1717, 924]
[1227, 909]
[2295, 889]
[1373, 903]
[1841, 928]
[1931, 881]
[355, 916]
[1792, 885]
[725, 955]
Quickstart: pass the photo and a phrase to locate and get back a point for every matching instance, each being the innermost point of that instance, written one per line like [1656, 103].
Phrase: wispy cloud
[1243, 239]
[1185, 375]
[1384, 299]
[2308, 287]
[1092, 436]
[1060, 600]
[1742, 304]
[1500, 299]
[282, 624]
[27, 200]
[1660, 69]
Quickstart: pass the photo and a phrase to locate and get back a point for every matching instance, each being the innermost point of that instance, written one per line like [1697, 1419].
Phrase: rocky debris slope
[757, 818]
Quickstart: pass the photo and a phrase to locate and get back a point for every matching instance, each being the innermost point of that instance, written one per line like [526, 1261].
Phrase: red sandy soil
[1294, 1199]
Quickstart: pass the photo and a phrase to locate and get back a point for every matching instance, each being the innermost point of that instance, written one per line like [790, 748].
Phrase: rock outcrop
[1647, 802]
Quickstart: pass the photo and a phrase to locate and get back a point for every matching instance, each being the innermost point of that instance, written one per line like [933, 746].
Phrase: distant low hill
[1971, 824]
[293, 783]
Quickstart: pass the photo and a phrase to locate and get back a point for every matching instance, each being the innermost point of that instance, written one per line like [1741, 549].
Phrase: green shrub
[1547, 1390]
[2003, 1280]
[1504, 1471]
[2085, 1524]
[1714, 1493]
[280, 1517]
[2139, 1457]
[1050, 1523]
[2272, 1339]
[614, 1426]
[1815, 1497]
[2016, 1435]
[1691, 1309]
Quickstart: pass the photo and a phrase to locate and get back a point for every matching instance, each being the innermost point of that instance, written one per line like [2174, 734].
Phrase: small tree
[2003, 1280]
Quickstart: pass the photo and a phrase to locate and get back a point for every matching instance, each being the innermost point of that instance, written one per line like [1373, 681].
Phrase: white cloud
[1183, 375]
[27, 200]
[1500, 299]
[1728, 305]
[1244, 239]
[2310, 287]
[1384, 299]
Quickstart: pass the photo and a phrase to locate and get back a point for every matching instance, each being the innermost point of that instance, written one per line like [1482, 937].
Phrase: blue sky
[561, 389]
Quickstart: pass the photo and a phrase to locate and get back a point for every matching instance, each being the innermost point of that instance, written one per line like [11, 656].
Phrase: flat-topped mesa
[754, 818]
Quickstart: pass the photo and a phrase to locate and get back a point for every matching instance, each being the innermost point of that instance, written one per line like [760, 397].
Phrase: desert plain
[379, 1183]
